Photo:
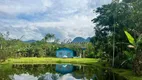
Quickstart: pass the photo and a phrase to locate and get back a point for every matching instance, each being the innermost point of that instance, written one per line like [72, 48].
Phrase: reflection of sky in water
[47, 76]
[64, 68]
[68, 77]
[54, 72]
[64, 65]
[23, 77]
[64, 72]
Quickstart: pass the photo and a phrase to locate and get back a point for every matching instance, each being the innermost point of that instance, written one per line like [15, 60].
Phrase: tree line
[46, 47]
[118, 27]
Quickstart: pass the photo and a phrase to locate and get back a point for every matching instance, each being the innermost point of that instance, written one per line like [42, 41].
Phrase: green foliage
[130, 38]
[119, 16]
[127, 61]
[17, 48]
[136, 44]
[49, 37]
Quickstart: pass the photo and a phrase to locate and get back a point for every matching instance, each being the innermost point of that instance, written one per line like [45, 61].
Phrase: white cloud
[35, 18]
[23, 6]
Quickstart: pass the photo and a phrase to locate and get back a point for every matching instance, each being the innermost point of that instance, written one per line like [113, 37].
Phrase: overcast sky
[66, 19]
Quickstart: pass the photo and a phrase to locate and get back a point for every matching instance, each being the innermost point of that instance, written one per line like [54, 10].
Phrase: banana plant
[134, 44]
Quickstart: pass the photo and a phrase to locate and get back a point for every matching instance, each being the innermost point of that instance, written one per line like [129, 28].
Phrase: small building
[65, 53]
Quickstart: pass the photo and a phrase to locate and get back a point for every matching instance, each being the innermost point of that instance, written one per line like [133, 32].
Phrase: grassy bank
[128, 74]
[34, 60]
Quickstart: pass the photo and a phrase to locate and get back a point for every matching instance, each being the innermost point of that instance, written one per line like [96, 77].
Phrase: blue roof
[64, 49]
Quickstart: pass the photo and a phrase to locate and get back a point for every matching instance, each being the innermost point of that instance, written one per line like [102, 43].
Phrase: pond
[55, 72]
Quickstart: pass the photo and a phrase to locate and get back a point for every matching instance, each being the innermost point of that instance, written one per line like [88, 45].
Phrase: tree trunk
[137, 65]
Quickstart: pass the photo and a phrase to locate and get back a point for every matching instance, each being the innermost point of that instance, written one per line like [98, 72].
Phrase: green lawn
[35, 60]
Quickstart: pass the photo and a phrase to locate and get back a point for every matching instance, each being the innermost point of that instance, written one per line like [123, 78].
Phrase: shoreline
[128, 74]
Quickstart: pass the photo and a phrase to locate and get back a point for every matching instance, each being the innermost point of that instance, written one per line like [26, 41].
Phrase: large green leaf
[130, 38]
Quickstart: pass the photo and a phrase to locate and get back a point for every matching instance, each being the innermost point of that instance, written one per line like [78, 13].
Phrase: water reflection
[56, 72]
[23, 77]
[64, 68]
[49, 76]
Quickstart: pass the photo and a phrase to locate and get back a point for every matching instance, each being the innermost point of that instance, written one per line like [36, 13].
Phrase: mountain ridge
[81, 39]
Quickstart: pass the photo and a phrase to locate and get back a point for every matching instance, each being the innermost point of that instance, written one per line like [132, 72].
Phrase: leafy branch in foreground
[137, 57]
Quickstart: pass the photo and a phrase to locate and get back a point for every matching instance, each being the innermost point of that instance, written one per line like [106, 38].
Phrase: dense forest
[118, 34]
[117, 38]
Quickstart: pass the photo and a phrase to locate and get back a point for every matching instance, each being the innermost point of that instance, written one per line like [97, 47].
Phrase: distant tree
[49, 37]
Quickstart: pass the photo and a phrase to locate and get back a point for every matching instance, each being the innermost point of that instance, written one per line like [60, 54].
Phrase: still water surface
[55, 72]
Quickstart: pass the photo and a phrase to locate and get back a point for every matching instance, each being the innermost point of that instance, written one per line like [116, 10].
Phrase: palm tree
[49, 37]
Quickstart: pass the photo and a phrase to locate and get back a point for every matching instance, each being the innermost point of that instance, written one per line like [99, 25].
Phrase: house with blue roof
[65, 53]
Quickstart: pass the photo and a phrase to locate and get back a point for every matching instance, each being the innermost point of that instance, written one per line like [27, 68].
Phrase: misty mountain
[30, 41]
[80, 39]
